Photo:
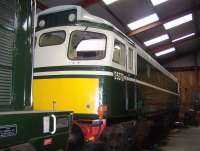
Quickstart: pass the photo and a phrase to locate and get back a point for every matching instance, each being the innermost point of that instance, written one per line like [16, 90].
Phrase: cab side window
[52, 38]
[119, 53]
[130, 59]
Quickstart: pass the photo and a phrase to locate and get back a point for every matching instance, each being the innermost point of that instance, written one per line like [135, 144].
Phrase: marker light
[165, 52]
[72, 17]
[108, 2]
[156, 40]
[183, 37]
[178, 21]
[157, 2]
[42, 23]
[143, 22]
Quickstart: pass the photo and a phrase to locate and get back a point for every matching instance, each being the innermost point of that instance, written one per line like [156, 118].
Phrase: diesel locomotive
[21, 128]
[86, 65]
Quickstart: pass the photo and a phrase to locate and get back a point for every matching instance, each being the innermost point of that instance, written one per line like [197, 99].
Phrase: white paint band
[80, 72]
[101, 73]
[150, 85]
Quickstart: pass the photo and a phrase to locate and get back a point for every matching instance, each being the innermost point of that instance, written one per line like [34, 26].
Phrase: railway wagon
[21, 128]
[85, 64]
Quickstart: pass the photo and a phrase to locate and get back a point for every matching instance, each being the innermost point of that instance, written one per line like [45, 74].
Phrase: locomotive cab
[73, 69]
[86, 65]
[76, 63]
[73, 51]
[72, 46]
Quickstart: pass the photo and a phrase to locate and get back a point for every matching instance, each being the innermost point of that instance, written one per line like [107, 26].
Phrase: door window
[119, 53]
[130, 59]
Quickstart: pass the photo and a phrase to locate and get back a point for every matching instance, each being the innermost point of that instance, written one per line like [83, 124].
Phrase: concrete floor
[187, 139]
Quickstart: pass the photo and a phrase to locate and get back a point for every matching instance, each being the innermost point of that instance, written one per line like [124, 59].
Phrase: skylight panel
[143, 22]
[165, 52]
[156, 40]
[183, 37]
[158, 2]
[178, 21]
[108, 2]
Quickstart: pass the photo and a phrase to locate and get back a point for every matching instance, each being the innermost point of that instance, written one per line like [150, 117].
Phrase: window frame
[39, 39]
[134, 68]
[132, 63]
[120, 63]
[69, 41]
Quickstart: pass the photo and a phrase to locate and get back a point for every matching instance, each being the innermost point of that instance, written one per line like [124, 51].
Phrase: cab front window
[52, 38]
[85, 45]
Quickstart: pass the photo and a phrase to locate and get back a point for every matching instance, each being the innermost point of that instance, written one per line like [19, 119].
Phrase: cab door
[119, 79]
[131, 104]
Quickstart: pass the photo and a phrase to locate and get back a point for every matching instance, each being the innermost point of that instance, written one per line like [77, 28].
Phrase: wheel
[76, 139]
[143, 129]
[117, 138]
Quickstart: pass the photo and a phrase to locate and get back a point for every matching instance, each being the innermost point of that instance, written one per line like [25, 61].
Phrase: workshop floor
[186, 139]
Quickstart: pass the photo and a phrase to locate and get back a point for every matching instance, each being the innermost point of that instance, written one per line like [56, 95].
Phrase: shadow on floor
[184, 139]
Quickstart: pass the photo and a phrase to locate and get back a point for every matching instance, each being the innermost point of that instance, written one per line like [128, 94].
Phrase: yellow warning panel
[66, 94]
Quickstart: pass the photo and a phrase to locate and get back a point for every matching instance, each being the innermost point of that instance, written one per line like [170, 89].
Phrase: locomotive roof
[83, 15]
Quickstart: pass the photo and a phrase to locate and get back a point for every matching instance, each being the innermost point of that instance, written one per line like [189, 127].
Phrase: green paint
[125, 98]
[17, 25]
[30, 129]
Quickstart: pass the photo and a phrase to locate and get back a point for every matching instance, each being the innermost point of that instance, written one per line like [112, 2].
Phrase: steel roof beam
[172, 44]
[83, 3]
[87, 3]
[177, 56]
[196, 19]
[161, 22]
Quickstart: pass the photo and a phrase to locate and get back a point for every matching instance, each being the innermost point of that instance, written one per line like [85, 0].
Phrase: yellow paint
[69, 94]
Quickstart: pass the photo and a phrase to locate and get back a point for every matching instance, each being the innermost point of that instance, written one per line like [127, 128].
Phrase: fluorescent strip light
[156, 40]
[165, 52]
[183, 37]
[157, 2]
[108, 2]
[143, 22]
[177, 22]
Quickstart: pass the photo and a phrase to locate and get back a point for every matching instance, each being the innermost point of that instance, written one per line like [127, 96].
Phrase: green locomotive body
[85, 64]
[21, 128]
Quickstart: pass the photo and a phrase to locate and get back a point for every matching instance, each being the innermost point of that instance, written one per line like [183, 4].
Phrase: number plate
[8, 131]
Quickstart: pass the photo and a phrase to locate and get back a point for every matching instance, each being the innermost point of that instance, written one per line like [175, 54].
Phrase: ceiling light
[143, 22]
[108, 2]
[165, 52]
[156, 40]
[157, 2]
[183, 37]
[178, 21]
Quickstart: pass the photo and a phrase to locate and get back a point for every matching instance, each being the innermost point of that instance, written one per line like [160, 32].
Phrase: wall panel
[189, 83]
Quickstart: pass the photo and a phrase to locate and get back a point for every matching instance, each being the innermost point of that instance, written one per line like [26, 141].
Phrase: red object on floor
[48, 141]
[92, 129]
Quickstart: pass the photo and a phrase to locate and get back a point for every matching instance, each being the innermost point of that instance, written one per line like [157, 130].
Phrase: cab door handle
[54, 124]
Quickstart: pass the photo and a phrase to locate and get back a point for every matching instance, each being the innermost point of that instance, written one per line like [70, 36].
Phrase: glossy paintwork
[30, 129]
[29, 124]
[65, 94]
[123, 98]
[22, 55]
